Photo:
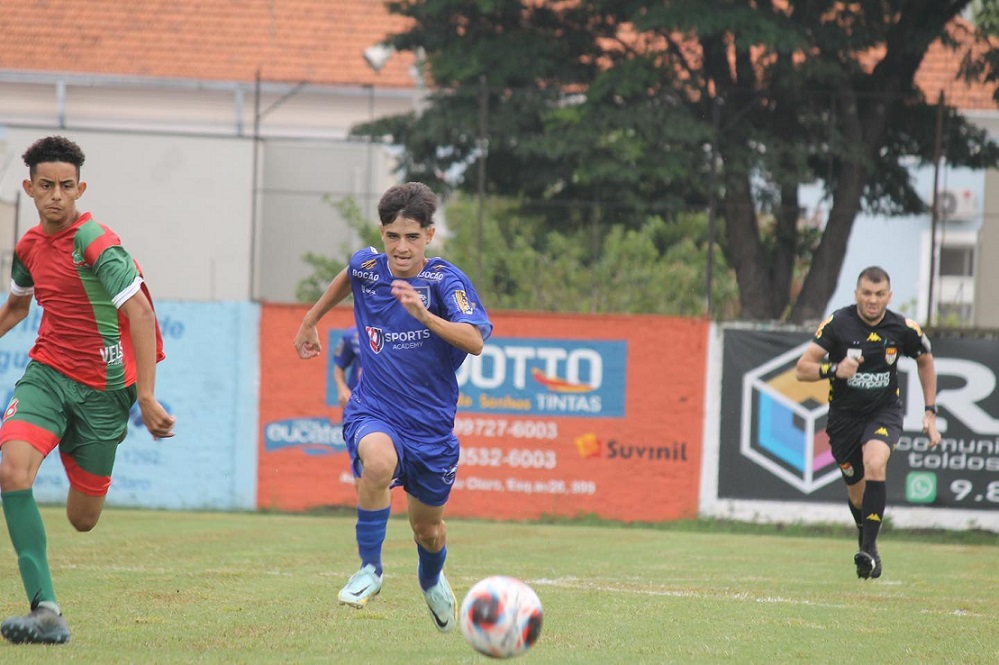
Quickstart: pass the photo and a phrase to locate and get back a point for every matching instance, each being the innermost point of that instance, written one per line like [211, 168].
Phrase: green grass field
[169, 587]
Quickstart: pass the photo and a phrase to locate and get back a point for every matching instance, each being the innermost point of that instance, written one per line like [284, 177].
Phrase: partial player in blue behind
[347, 364]
[418, 320]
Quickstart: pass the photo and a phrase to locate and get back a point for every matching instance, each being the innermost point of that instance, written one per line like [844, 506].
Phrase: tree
[985, 14]
[530, 266]
[607, 112]
[324, 269]
[657, 268]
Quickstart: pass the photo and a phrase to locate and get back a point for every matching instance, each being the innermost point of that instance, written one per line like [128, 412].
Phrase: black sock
[858, 520]
[873, 509]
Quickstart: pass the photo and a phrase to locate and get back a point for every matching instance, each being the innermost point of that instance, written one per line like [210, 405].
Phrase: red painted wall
[635, 457]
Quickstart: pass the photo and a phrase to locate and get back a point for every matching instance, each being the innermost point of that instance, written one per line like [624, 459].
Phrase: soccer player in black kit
[857, 350]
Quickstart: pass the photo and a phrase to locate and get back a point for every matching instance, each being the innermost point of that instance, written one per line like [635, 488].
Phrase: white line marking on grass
[584, 585]
[576, 583]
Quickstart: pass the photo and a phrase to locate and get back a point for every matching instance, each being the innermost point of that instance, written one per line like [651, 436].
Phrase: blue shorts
[426, 468]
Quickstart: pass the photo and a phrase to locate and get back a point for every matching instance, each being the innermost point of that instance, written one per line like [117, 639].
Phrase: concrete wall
[203, 107]
[301, 183]
[987, 268]
[184, 206]
[181, 205]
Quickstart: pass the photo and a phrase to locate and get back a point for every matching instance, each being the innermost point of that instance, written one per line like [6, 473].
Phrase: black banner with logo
[773, 444]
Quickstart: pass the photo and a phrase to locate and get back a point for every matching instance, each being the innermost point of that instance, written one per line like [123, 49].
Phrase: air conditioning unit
[958, 204]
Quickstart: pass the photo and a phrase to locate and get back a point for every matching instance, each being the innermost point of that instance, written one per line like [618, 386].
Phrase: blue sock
[431, 565]
[370, 530]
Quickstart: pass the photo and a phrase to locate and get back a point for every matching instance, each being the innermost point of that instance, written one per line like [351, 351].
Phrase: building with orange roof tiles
[242, 112]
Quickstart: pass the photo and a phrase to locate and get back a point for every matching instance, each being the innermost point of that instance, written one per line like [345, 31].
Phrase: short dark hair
[412, 200]
[874, 274]
[53, 149]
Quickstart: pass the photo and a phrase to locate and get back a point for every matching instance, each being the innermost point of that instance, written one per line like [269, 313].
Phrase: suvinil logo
[590, 446]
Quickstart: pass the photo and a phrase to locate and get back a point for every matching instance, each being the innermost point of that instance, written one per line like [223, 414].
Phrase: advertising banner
[560, 415]
[773, 444]
[208, 381]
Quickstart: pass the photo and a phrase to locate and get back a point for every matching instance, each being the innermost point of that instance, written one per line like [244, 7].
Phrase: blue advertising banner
[208, 381]
[546, 377]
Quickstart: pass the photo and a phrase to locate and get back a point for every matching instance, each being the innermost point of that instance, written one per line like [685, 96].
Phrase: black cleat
[865, 565]
[42, 626]
[876, 573]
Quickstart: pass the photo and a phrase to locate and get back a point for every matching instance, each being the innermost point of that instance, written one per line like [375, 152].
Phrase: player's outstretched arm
[926, 369]
[342, 391]
[808, 365]
[142, 328]
[13, 311]
[307, 339]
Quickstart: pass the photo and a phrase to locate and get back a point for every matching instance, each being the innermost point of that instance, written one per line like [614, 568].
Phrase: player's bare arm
[811, 365]
[13, 311]
[307, 340]
[928, 380]
[342, 391]
[464, 336]
[142, 329]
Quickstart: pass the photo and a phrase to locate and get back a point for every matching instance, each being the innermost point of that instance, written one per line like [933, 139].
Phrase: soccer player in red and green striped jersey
[95, 355]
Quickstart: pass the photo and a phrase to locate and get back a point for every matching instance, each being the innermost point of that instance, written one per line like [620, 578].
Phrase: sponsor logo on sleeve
[461, 299]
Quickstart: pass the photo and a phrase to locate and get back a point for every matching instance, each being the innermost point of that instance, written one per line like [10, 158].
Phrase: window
[957, 261]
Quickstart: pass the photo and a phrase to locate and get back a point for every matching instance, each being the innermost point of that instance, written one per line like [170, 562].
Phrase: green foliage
[603, 267]
[324, 268]
[605, 112]
[658, 268]
[986, 16]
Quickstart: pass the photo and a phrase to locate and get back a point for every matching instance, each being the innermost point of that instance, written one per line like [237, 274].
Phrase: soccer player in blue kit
[419, 318]
[347, 364]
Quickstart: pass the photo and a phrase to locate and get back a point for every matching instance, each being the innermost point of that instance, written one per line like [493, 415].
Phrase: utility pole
[483, 146]
[935, 212]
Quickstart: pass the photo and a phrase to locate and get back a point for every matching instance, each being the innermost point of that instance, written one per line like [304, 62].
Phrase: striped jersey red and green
[80, 277]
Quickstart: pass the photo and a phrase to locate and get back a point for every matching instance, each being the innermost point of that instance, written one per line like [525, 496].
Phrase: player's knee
[84, 523]
[83, 517]
[430, 535]
[378, 470]
[875, 469]
[14, 477]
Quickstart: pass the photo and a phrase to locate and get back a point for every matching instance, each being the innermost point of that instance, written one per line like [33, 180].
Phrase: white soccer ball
[501, 617]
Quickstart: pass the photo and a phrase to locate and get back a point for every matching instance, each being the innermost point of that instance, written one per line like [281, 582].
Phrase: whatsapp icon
[921, 487]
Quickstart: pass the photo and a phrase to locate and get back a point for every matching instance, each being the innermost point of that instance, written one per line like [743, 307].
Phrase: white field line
[645, 590]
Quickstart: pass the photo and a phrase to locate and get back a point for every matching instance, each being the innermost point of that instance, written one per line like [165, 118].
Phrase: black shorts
[849, 432]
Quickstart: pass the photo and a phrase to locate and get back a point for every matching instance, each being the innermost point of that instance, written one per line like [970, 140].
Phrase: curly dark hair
[53, 149]
[412, 200]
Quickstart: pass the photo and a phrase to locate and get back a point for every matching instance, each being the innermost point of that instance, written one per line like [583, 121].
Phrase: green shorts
[50, 409]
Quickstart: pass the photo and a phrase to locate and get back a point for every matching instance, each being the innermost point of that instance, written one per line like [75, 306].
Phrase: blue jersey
[347, 356]
[409, 373]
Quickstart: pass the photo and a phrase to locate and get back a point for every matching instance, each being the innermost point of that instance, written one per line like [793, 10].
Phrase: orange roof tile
[940, 66]
[320, 41]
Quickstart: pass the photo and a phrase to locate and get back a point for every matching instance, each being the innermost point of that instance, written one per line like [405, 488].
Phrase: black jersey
[876, 382]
